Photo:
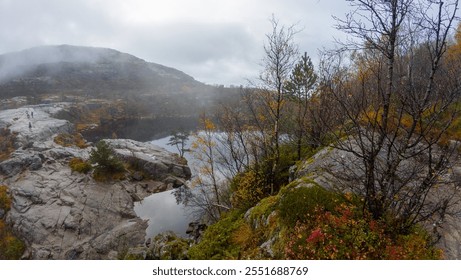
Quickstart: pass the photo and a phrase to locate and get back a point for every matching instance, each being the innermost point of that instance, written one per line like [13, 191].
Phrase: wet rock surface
[62, 214]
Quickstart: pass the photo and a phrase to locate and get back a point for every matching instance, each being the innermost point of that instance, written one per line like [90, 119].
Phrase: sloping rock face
[153, 160]
[333, 168]
[62, 214]
[34, 124]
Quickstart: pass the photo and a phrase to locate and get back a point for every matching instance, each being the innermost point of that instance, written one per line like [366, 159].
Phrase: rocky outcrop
[62, 214]
[34, 124]
[153, 160]
[19, 162]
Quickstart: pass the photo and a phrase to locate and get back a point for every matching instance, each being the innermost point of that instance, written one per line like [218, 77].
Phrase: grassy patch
[5, 199]
[11, 248]
[79, 165]
[69, 140]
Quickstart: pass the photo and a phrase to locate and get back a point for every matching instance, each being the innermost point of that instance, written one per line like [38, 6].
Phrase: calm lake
[162, 210]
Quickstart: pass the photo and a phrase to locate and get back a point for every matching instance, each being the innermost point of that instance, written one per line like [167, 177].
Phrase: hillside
[112, 92]
[86, 71]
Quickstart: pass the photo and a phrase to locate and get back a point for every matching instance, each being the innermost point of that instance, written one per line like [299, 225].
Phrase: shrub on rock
[108, 165]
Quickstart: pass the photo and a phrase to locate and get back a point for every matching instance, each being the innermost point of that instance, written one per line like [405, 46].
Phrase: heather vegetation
[309, 222]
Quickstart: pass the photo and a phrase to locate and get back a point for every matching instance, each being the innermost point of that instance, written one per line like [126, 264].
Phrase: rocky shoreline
[63, 214]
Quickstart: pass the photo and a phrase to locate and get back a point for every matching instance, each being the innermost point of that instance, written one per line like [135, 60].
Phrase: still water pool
[163, 213]
[162, 210]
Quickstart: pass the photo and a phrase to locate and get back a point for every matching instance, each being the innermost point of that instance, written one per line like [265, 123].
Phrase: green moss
[297, 204]
[175, 249]
[264, 208]
[217, 241]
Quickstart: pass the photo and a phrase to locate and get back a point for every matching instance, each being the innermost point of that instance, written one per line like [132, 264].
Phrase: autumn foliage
[10, 246]
[79, 165]
[346, 233]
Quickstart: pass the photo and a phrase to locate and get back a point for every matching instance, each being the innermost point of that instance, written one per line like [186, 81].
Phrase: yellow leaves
[274, 104]
[455, 49]
[194, 145]
[247, 189]
[261, 117]
[372, 117]
[205, 169]
[454, 53]
[208, 124]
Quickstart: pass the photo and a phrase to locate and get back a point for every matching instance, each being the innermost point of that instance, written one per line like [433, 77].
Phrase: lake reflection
[163, 210]
[164, 213]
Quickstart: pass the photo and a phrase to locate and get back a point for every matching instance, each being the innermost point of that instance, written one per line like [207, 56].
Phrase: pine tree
[179, 140]
[299, 88]
[105, 158]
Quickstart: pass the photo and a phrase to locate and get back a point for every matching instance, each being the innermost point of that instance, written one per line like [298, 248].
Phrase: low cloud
[214, 41]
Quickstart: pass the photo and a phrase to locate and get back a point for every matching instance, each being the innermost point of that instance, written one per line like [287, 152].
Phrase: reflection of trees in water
[182, 195]
[139, 129]
[199, 202]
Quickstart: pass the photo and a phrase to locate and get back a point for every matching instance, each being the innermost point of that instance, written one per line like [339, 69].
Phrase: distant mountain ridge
[86, 70]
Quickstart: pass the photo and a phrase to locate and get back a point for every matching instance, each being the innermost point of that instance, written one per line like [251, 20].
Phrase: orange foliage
[347, 234]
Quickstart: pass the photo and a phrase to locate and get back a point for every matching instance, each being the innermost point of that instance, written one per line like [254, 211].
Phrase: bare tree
[396, 104]
[212, 196]
[280, 55]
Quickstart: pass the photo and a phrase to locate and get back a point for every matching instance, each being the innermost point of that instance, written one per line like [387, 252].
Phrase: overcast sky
[215, 41]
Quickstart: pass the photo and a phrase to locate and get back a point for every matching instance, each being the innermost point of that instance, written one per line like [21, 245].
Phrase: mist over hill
[118, 92]
[89, 71]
